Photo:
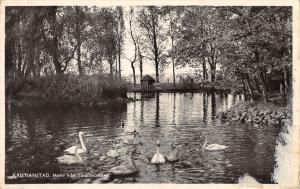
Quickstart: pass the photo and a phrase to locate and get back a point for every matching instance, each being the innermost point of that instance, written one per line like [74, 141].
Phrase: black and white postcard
[150, 93]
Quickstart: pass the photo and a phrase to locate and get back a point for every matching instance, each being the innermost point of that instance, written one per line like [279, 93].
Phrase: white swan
[157, 157]
[113, 152]
[70, 159]
[212, 147]
[72, 149]
[131, 139]
[131, 132]
[126, 169]
[173, 154]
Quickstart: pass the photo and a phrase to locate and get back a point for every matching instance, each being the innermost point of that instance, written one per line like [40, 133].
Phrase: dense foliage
[242, 48]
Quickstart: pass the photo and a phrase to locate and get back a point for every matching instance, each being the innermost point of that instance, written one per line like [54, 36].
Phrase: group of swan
[72, 154]
[173, 155]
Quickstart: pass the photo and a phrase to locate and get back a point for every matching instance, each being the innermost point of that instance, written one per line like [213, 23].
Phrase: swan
[132, 139]
[173, 154]
[72, 149]
[157, 157]
[131, 132]
[126, 169]
[113, 152]
[212, 147]
[70, 159]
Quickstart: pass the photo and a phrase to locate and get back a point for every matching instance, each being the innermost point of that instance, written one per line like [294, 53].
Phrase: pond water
[35, 137]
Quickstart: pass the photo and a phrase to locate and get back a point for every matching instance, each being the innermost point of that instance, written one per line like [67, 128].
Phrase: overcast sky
[148, 67]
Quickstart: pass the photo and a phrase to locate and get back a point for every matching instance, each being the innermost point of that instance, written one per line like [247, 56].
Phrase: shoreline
[38, 101]
[180, 88]
[257, 113]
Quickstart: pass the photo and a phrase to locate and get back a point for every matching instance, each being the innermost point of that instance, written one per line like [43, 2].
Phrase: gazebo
[147, 83]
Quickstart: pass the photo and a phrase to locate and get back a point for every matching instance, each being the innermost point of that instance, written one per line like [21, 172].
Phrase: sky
[148, 67]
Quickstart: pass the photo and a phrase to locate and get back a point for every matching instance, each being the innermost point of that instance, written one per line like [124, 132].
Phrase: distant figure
[281, 88]
[122, 124]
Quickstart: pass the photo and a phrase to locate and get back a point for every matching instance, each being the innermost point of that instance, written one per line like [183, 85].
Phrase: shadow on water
[36, 137]
[157, 110]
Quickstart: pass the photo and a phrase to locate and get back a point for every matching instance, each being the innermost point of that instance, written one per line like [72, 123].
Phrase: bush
[71, 88]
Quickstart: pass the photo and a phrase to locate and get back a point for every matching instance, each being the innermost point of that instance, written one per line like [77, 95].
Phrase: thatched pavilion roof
[148, 78]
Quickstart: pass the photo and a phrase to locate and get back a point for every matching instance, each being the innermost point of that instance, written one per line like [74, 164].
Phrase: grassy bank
[67, 89]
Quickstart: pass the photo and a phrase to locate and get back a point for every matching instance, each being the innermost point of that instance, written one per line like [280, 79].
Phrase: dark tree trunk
[133, 72]
[244, 89]
[212, 65]
[111, 62]
[54, 53]
[19, 67]
[78, 38]
[261, 78]
[116, 72]
[204, 70]
[257, 85]
[141, 64]
[250, 88]
[119, 56]
[155, 50]
[80, 70]
[135, 52]
[213, 72]
[174, 77]
[173, 64]
[264, 80]
[54, 42]
[264, 87]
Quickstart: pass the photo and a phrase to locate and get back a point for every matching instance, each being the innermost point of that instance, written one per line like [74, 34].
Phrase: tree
[263, 35]
[201, 39]
[150, 19]
[120, 28]
[77, 22]
[24, 29]
[59, 41]
[134, 40]
[173, 33]
[141, 62]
